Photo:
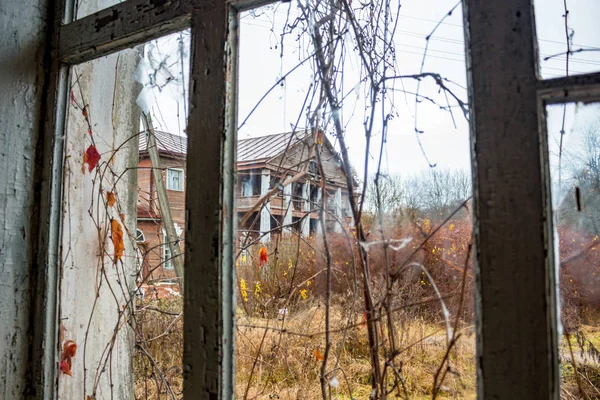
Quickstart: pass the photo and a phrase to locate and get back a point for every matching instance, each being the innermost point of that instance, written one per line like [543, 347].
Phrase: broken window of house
[124, 210]
[360, 236]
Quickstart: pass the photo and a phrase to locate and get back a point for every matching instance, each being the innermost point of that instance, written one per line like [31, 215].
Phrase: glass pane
[122, 243]
[83, 8]
[574, 146]
[353, 259]
[571, 46]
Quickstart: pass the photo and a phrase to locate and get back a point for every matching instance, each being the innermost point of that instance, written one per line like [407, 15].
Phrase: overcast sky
[445, 139]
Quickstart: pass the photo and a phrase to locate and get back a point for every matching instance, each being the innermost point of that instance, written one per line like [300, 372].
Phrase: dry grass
[286, 365]
[283, 365]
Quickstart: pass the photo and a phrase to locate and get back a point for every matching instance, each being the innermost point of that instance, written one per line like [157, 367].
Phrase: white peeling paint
[22, 42]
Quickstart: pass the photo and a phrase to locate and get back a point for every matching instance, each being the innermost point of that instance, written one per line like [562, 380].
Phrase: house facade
[267, 162]
[157, 263]
[263, 163]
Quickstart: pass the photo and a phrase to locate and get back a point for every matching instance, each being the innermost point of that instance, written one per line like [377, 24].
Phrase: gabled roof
[258, 149]
[166, 143]
[266, 147]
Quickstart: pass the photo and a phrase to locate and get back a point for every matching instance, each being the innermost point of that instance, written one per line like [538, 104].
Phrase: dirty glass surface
[354, 228]
[567, 37]
[574, 154]
[83, 8]
[120, 305]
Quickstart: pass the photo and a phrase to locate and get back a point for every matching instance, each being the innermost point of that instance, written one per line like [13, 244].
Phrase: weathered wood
[207, 364]
[47, 197]
[164, 204]
[570, 89]
[516, 324]
[122, 26]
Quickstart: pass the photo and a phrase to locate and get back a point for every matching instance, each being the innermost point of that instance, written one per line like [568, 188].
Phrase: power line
[292, 14]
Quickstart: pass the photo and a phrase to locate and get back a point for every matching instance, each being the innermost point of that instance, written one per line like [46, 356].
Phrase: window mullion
[571, 88]
[122, 26]
[208, 298]
[516, 324]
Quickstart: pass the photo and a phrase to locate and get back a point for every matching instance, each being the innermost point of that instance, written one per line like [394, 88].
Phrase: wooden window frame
[182, 181]
[516, 346]
[515, 266]
[166, 253]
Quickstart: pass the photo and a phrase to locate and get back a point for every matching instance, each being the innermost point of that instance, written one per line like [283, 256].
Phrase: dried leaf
[110, 199]
[117, 238]
[263, 256]
[84, 111]
[68, 352]
[318, 355]
[319, 137]
[70, 348]
[91, 157]
[65, 366]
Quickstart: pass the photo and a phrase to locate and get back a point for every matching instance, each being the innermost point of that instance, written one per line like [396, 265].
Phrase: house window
[175, 179]
[139, 235]
[247, 183]
[167, 255]
[313, 170]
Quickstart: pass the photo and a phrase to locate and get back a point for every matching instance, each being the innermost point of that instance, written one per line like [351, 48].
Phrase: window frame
[494, 34]
[166, 253]
[515, 265]
[181, 187]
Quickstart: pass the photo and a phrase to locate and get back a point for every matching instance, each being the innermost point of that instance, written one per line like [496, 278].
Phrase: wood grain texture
[514, 308]
[203, 322]
[122, 26]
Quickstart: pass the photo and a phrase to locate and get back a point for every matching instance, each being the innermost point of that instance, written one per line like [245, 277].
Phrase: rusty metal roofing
[266, 147]
[167, 143]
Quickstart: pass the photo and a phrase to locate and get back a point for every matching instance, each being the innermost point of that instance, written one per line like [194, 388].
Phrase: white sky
[446, 146]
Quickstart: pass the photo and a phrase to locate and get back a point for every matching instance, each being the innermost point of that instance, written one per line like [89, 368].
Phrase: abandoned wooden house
[263, 163]
[53, 211]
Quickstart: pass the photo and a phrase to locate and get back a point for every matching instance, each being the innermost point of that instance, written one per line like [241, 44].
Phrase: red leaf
[263, 256]
[69, 350]
[91, 157]
[117, 238]
[84, 111]
[364, 320]
[65, 366]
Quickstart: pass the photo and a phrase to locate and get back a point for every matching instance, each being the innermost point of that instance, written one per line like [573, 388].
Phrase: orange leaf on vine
[318, 355]
[91, 157]
[117, 238]
[263, 256]
[110, 199]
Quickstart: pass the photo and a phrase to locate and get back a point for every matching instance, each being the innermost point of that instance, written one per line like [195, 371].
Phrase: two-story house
[263, 163]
